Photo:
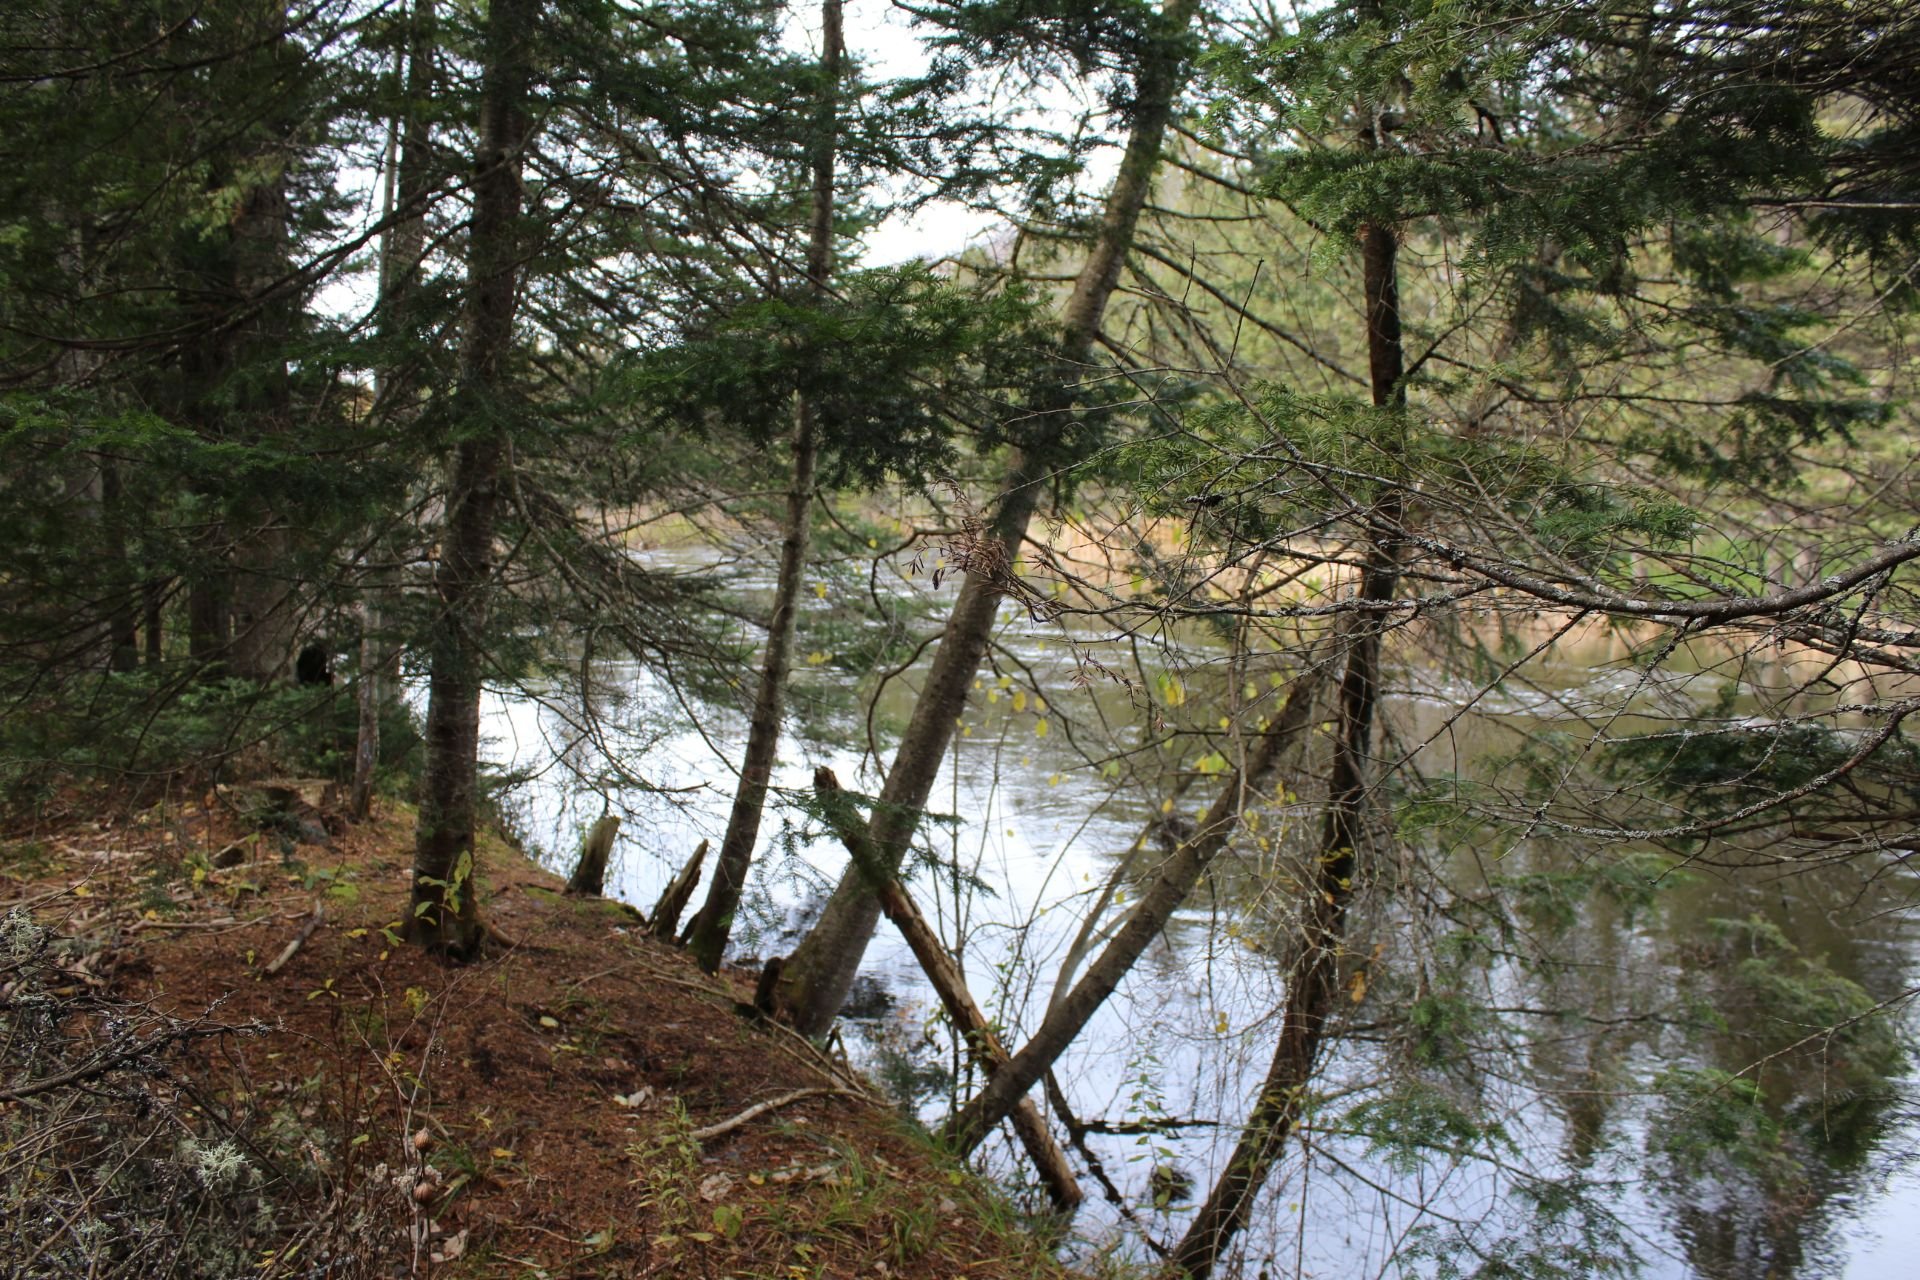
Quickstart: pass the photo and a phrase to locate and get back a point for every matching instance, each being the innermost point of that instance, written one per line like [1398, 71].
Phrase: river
[1605, 983]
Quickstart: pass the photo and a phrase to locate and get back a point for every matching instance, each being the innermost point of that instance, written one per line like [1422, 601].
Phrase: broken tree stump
[590, 872]
[666, 913]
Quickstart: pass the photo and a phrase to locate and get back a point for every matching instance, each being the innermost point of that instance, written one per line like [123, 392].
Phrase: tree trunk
[820, 971]
[207, 613]
[1172, 881]
[711, 926]
[123, 611]
[153, 596]
[445, 915]
[263, 603]
[265, 612]
[401, 251]
[1313, 970]
[366, 738]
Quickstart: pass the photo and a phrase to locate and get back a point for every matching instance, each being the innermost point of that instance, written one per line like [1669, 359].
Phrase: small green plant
[667, 1160]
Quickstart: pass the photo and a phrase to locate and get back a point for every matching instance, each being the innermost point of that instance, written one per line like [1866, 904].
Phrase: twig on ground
[759, 1109]
[314, 921]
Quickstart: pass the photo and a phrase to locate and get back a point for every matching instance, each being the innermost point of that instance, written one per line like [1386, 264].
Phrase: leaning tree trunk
[445, 915]
[708, 932]
[1312, 971]
[402, 249]
[1172, 881]
[817, 976]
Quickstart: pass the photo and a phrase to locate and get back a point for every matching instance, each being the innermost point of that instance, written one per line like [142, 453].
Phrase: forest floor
[537, 1113]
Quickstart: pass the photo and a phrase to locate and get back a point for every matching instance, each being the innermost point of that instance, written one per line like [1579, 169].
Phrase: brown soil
[543, 1101]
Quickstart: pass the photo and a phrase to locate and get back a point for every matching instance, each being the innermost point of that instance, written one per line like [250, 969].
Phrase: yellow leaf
[1040, 728]
[1225, 723]
[1220, 1024]
[1019, 699]
[1358, 987]
[815, 658]
[1053, 780]
[1004, 682]
[1039, 703]
[993, 695]
[501, 1153]
[820, 589]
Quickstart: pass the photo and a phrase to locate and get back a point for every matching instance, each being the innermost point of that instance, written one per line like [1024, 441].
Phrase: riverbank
[584, 1102]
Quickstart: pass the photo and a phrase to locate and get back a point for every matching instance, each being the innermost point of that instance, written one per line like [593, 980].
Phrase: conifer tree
[445, 915]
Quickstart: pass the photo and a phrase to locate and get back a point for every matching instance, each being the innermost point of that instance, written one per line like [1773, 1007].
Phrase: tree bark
[401, 251]
[446, 916]
[711, 926]
[821, 970]
[1312, 971]
[983, 1043]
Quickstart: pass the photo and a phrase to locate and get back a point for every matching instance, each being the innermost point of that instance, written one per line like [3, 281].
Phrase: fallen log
[983, 1043]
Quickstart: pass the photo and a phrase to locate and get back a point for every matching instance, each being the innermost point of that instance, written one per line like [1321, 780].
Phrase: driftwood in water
[666, 913]
[982, 1041]
[590, 873]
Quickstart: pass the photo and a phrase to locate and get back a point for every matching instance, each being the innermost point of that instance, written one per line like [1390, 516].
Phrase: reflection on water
[1557, 1056]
